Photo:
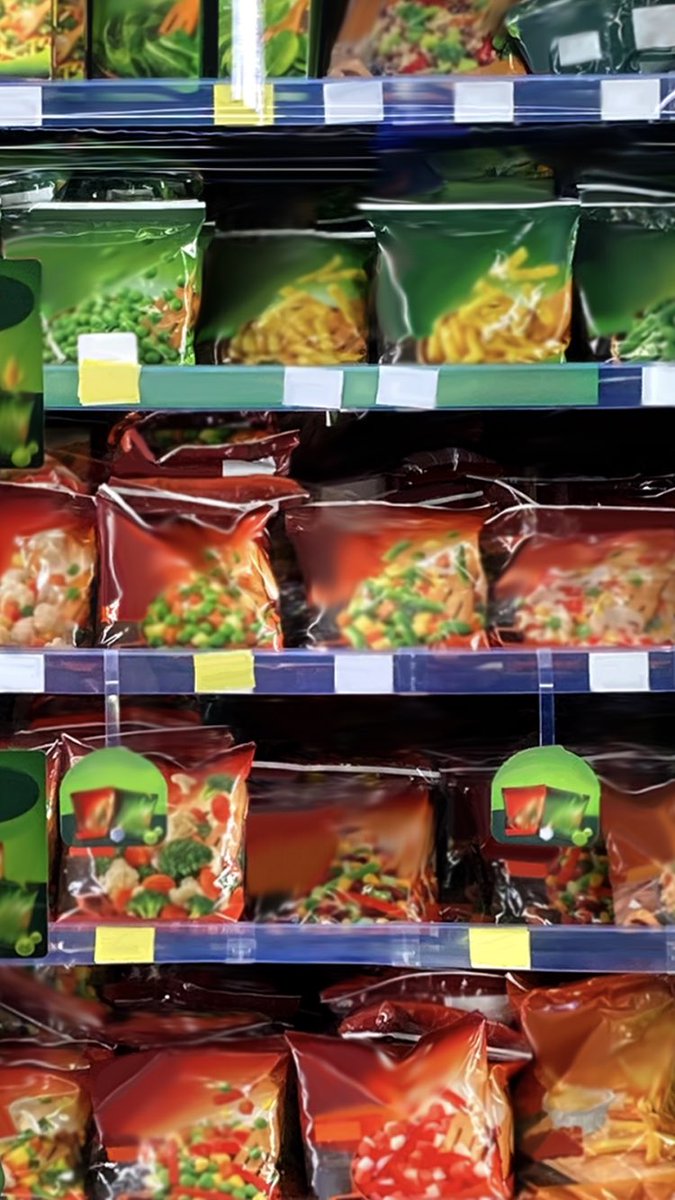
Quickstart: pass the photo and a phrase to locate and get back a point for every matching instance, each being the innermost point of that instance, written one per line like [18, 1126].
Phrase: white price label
[23, 673]
[313, 387]
[407, 387]
[20, 107]
[658, 386]
[623, 671]
[630, 99]
[478, 101]
[364, 674]
[353, 101]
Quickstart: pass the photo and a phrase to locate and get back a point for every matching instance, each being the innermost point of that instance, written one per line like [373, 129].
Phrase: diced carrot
[207, 882]
[138, 856]
[159, 883]
[220, 807]
[173, 912]
[121, 897]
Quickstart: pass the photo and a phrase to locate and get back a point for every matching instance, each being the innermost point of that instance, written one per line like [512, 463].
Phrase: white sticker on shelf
[630, 99]
[20, 107]
[21, 672]
[623, 671]
[578, 48]
[313, 387]
[658, 386]
[107, 347]
[407, 387]
[654, 27]
[353, 101]
[481, 100]
[364, 674]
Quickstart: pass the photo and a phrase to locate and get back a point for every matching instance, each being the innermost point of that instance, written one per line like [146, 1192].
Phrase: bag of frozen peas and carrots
[594, 1116]
[138, 39]
[301, 298]
[114, 267]
[196, 870]
[474, 283]
[182, 572]
[582, 576]
[624, 272]
[340, 845]
[418, 37]
[384, 576]
[200, 1122]
[47, 566]
[597, 37]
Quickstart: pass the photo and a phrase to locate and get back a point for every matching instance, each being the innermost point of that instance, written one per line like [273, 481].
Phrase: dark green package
[625, 273]
[286, 36]
[457, 176]
[110, 268]
[24, 862]
[582, 37]
[21, 388]
[294, 297]
[474, 283]
[140, 39]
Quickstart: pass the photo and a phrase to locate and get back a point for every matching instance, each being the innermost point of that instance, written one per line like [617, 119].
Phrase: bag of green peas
[114, 267]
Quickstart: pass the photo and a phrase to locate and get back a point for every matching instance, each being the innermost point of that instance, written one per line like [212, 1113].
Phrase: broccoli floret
[183, 857]
[147, 904]
[200, 906]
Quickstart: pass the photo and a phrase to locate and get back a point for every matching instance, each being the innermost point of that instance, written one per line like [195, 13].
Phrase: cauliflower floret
[16, 592]
[48, 618]
[15, 575]
[183, 894]
[23, 632]
[181, 824]
[184, 783]
[120, 875]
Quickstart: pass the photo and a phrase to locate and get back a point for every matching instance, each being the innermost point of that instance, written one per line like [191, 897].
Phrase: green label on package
[21, 387]
[546, 797]
[115, 798]
[23, 854]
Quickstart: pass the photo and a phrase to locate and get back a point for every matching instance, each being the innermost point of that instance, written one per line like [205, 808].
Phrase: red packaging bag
[185, 573]
[471, 991]
[197, 871]
[165, 431]
[339, 845]
[198, 1122]
[383, 576]
[575, 576]
[594, 1113]
[640, 831]
[420, 1126]
[47, 565]
[53, 472]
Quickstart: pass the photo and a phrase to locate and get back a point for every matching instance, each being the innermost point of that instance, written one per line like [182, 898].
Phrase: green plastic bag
[599, 37]
[626, 278]
[140, 39]
[110, 268]
[474, 283]
[21, 388]
[287, 25]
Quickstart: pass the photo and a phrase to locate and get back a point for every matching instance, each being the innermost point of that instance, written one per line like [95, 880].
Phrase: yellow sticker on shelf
[227, 110]
[229, 671]
[123, 944]
[109, 383]
[504, 947]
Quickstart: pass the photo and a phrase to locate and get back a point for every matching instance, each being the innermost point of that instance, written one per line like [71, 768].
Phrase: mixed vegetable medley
[413, 37]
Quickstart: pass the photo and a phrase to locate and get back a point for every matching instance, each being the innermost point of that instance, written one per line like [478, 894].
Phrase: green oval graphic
[16, 303]
[546, 796]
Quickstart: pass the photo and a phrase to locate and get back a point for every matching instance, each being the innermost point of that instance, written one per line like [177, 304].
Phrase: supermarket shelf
[564, 385]
[326, 673]
[552, 948]
[423, 101]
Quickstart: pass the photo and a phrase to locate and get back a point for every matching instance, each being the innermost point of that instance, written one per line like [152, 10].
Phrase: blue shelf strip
[543, 99]
[307, 672]
[553, 948]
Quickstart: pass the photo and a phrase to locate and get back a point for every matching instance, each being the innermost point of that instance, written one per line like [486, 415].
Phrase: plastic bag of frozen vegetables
[474, 283]
[413, 37]
[594, 36]
[137, 39]
[300, 299]
[112, 267]
[287, 26]
[26, 38]
[625, 274]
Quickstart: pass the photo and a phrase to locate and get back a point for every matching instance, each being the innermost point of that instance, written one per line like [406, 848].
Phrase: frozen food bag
[596, 37]
[641, 848]
[340, 845]
[577, 576]
[47, 566]
[138, 39]
[594, 1114]
[300, 298]
[386, 576]
[69, 45]
[471, 991]
[397, 37]
[286, 28]
[26, 38]
[21, 379]
[184, 573]
[195, 869]
[114, 267]
[377, 1123]
[474, 283]
[624, 274]
[199, 1122]
[163, 432]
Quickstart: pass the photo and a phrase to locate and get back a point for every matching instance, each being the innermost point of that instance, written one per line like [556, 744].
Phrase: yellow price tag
[230, 111]
[123, 944]
[229, 671]
[109, 383]
[501, 947]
